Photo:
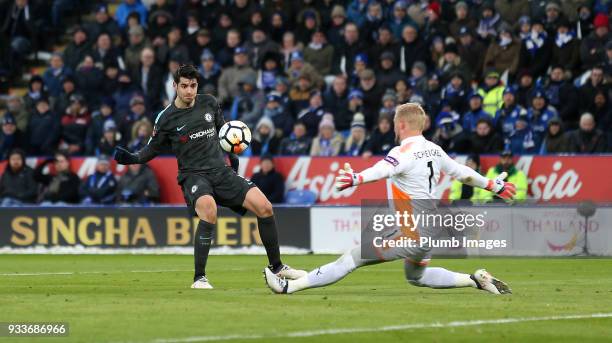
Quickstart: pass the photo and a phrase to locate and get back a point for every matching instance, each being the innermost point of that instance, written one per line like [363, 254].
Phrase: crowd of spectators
[309, 77]
[53, 183]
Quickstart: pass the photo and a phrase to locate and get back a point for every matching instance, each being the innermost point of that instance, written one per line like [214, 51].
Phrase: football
[234, 136]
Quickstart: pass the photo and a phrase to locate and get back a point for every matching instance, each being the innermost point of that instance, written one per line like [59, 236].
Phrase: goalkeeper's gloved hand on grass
[347, 178]
[503, 189]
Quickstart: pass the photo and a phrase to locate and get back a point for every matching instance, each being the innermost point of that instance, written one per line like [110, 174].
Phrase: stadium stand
[309, 76]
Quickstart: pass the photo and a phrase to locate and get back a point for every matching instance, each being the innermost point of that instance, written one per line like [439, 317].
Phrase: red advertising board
[551, 178]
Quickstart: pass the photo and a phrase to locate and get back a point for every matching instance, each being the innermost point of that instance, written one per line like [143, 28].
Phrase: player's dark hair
[187, 71]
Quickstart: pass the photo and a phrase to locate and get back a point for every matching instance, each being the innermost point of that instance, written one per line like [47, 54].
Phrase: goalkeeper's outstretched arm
[383, 169]
[467, 175]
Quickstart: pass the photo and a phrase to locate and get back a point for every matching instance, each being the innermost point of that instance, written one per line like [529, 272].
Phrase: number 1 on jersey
[430, 166]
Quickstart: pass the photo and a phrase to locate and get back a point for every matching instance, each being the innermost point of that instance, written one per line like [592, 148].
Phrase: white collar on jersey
[412, 139]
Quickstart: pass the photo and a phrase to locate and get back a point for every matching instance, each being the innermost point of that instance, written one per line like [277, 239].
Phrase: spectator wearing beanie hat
[328, 142]
[10, 137]
[336, 29]
[592, 49]
[389, 101]
[106, 145]
[539, 113]
[507, 115]
[475, 113]
[265, 140]
[434, 25]
[356, 141]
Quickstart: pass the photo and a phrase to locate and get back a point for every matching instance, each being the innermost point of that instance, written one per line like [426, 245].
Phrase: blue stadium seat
[300, 197]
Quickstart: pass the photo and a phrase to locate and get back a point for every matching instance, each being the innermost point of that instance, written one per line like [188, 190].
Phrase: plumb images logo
[399, 227]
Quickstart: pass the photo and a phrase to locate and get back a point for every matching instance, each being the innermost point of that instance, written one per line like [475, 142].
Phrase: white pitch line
[95, 272]
[381, 328]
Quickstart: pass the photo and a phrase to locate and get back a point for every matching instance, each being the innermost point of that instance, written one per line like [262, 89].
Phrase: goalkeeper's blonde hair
[412, 114]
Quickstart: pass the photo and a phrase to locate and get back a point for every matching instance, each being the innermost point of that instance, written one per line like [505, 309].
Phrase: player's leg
[198, 192]
[206, 209]
[256, 202]
[419, 274]
[322, 276]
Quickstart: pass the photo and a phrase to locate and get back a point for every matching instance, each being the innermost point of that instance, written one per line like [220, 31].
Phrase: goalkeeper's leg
[322, 276]
[418, 274]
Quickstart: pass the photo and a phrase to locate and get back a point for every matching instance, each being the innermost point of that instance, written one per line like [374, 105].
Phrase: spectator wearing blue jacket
[99, 188]
[522, 140]
[507, 115]
[471, 118]
[126, 8]
[357, 11]
[539, 114]
[54, 76]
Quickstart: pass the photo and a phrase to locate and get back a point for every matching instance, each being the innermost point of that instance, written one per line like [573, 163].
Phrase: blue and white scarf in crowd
[535, 41]
[563, 38]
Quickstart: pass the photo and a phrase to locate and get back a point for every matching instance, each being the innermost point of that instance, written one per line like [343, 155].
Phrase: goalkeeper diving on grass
[188, 127]
[414, 169]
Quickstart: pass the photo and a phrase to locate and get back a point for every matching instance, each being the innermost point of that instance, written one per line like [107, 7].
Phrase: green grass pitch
[146, 298]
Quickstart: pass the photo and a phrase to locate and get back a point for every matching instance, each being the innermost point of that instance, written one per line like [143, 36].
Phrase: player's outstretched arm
[124, 156]
[465, 174]
[381, 170]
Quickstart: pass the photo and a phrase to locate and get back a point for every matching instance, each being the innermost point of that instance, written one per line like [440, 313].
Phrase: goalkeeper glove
[347, 178]
[503, 189]
[123, 156]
